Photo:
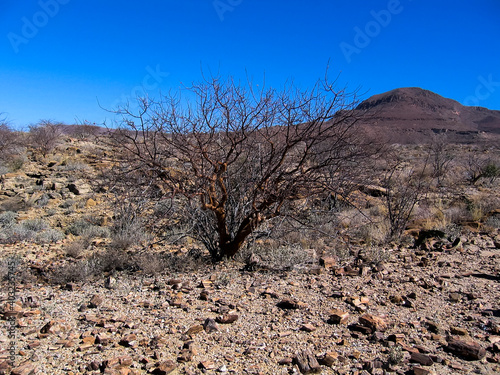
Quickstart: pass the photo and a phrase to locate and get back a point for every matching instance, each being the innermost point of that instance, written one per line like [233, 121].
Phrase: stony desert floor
[421, 312]
[402, 309]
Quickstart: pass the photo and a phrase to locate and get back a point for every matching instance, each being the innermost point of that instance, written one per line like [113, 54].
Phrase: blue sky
[63, 59]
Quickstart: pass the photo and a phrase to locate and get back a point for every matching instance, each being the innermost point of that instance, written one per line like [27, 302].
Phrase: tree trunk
[231, 248]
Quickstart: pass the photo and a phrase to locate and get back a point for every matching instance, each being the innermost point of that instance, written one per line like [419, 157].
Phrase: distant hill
[412, 115]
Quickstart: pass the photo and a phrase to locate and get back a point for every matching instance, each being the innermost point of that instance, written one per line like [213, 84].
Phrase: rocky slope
[412, 115]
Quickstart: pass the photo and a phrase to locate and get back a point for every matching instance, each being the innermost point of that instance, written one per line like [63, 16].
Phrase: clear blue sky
[60, 58]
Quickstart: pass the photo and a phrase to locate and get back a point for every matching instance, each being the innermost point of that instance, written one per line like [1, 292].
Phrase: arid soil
[395, 316]
[433, 308]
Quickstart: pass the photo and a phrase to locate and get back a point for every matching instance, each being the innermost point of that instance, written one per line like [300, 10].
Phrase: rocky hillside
[412, 115]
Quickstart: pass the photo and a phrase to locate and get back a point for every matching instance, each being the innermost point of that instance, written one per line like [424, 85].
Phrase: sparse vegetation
[44, 135]
[236, 157]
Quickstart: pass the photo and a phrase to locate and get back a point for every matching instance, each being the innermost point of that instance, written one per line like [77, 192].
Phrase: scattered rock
[373, 322]
[27, 368]
[165, 368]
[469, 350]
[338, 317]
[227, 319]
[291, 304]
[210, 326]
[307, 363]
[422, 359]
[95, 301]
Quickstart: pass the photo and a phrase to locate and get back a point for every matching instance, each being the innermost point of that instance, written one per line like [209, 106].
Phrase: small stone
[373, 322]
[27, 368]
[328, 262]
[307, 363]
[204, 295]
[49, 327]
[110, 282]
[223, 368]
[308, 328]
[165, 367]
[227, 318]
[289, 304]
[422, 359]
[95, 301]
[207, 365]
[338, 316]
[469, 350]
[422, 371]
[90, 203]
[459, 331]
[195, 330]
[328, 359]
[285, 361]
[186, 355]
[210, 326]
[455, 297]
[128, 340]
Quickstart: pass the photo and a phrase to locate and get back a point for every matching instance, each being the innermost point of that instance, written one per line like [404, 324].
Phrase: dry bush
[95, 266]
[44, 136]
[235, 156]
[10, 150]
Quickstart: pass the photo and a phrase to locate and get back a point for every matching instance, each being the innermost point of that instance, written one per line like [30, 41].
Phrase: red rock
[308, 328]
[328, 359]
[373, 322]
[195, 330]
[291, 304]
[227, 319]
[207, 365]
[421, 371]
[27, 368]
[328, 262]
[165, 367]
[95, 301]
[469, 350]
[307, 363]
[422, 359]
[338, 316]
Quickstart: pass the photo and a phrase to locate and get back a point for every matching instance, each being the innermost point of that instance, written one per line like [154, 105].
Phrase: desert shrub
[492, 223]
[396, 354]
[42, 201]
[67, 203]
[76, 248]
[15, 267]
[278, 256]
[35, 225]
[44, 136]
[49, 236]
[96, 265]
[7, 219]
[78, 227]
[128, 228]
[171, 263]
[79, 271]
[73, 165]
[36, 230]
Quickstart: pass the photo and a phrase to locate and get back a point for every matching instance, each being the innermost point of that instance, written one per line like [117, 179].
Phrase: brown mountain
[413, 115]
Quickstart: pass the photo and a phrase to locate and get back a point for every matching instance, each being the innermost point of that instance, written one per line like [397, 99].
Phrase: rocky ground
[429, 309]
[430, 312]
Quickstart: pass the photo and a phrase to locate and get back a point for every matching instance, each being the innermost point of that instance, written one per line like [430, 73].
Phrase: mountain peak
[414, 114]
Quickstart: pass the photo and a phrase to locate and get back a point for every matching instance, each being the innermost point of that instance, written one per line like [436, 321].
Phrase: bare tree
[441, 156]
[44, 136]
[8, 141]
[405, 187]
[236, 157]
[481, 166]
